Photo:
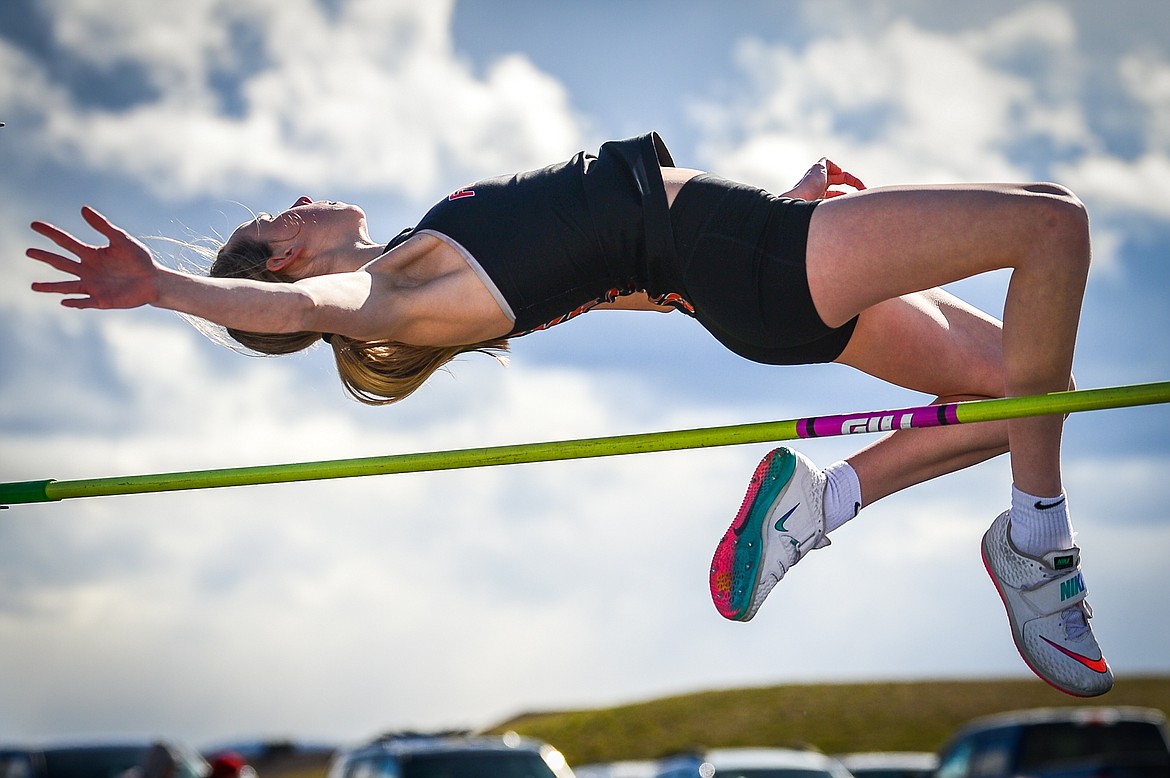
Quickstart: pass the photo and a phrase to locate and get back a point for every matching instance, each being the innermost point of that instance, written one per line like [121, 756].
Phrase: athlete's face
[315, 225]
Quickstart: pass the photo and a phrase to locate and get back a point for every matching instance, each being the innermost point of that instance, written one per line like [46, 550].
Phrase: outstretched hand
[820, 177]
[122, 274]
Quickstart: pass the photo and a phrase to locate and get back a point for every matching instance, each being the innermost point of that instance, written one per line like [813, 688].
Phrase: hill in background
[836, 718]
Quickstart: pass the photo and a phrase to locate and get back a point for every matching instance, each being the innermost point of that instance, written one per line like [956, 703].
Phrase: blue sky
[337, 610]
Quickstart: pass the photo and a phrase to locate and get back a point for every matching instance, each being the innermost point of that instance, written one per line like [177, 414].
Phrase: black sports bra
[554, 242]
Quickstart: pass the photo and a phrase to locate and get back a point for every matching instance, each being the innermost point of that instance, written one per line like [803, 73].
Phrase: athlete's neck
[351, 258]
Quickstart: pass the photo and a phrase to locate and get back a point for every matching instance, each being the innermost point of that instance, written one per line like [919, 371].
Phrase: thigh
[930, 342]
[882, 243]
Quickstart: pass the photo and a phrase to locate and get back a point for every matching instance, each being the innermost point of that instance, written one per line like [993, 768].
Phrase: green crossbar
[824, 426]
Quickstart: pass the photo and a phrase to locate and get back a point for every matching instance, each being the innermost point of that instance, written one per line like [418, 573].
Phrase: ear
[280, 262]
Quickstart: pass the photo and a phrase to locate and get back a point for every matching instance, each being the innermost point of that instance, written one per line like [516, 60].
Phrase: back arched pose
[794, 279]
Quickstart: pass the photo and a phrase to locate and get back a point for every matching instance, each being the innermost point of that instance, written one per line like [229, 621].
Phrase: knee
[1055, 190]
[1061, 227]
[1060, 210]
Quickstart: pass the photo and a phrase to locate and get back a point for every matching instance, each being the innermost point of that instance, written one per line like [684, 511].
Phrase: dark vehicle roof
[1076, 715]
[418, 744]
[457, 754]
[98, 760]
[1114, 741]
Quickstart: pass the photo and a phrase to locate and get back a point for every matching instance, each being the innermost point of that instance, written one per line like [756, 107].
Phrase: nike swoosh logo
[1040, 506]
[739, 528]
[784, 518]
[1096, 665]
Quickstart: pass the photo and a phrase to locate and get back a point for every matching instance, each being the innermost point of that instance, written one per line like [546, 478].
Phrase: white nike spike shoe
[1046, 607]
[781, 519]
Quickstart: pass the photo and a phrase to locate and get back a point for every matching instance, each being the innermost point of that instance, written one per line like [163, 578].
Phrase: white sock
[1040, 524]
[842, 495]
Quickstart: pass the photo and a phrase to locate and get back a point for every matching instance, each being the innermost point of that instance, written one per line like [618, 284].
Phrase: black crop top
[552, 243]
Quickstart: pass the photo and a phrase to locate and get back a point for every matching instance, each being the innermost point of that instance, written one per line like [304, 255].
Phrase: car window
[189, 764]
[954, 763]
[678, 773]
[1048, 745]
[15, 765]
[98, 762]
[363, 768]
[986, 754]
[503, 764]
[387, 768]
[992, 757]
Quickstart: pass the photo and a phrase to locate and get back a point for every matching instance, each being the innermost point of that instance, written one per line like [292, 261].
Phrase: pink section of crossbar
[878, 421]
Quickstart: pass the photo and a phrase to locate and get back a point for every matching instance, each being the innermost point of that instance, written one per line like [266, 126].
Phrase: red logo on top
[459, 194]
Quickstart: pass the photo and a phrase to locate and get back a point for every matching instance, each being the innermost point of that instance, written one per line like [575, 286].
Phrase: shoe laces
[1075, 621]
[796, 551]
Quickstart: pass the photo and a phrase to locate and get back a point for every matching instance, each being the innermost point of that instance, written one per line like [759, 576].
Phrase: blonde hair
[376, 372]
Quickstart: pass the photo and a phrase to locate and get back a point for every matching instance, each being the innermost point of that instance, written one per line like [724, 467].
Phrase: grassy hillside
[915, 716]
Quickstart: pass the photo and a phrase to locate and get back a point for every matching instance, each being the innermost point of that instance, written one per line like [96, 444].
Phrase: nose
[303, 201]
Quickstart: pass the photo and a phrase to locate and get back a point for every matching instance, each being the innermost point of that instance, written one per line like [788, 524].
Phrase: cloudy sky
[337, 610]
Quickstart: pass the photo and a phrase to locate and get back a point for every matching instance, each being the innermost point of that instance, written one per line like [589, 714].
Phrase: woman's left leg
[929, 342]
[926, 341]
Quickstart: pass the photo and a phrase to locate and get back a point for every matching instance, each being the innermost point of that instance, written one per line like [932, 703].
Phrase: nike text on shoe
[1046, 607]
[781, 519]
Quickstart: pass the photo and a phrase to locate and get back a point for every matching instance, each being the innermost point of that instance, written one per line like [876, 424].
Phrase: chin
[356, 210]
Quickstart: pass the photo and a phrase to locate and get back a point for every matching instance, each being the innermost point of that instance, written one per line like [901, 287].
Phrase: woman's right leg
[878, 245]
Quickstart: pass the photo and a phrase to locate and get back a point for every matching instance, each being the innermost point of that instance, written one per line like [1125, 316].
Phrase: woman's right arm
[452, 306]
[123, 274]
[816, 183]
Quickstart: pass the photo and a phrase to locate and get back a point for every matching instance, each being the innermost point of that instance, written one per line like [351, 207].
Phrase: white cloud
[894, 105]
[371, 95]
[1148, 81]
[1138, 183]
[20, 272]
[1044, 23]
[25, 86]
[904, 104]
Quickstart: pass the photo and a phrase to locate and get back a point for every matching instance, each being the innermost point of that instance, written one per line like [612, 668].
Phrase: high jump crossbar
[944, 414]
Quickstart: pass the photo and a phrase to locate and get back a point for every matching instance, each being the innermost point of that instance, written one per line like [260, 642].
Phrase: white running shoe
[781, 519]
[1046, 607]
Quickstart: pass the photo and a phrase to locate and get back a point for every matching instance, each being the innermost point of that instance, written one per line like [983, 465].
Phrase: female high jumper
[800, 278]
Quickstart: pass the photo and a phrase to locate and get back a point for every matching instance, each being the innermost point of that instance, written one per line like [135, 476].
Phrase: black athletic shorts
[741, 264]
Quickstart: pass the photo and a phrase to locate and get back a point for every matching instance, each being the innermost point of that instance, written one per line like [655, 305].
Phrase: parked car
[104, 760]
[275, 757]
[451, 756]
[752, 763]
[890, 764]
[629, 768]
[1073, 742]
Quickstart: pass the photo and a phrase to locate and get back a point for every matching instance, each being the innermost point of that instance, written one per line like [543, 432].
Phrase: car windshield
[103, 762]
[1050, 745]
[504, 764]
